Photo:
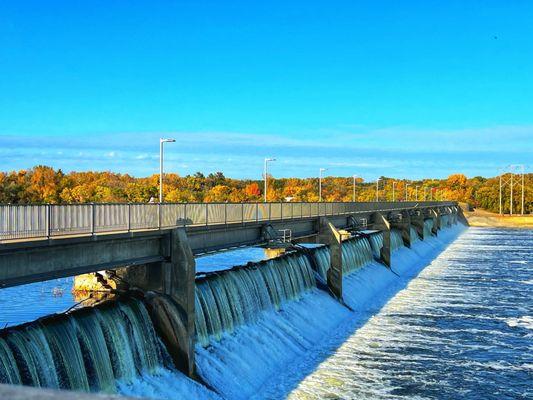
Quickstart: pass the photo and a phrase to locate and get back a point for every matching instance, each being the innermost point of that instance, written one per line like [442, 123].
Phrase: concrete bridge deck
[51, 241]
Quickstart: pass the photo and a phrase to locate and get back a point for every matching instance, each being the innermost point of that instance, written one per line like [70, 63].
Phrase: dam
[264, 329]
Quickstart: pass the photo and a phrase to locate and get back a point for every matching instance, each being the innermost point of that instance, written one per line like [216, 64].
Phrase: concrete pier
[173, 312]
[403, 224]
[332, 237]
[380, 223]
[417, 221]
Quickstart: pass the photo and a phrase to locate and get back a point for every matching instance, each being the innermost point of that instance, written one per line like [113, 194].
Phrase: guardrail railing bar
[30, 221]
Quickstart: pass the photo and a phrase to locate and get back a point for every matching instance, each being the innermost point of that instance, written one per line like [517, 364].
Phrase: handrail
[52, 220]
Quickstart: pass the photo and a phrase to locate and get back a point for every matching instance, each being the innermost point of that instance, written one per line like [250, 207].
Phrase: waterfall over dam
[251, 324]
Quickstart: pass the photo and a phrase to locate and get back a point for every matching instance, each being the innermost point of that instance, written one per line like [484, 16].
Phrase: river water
[461, 329]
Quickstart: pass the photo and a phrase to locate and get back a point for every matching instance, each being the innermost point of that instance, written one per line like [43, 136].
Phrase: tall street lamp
[320, 171]
[406, 192]
[267, 160]
[353, 194]
[161, 141]
[416, 192]
[393, 193]
[377, 189]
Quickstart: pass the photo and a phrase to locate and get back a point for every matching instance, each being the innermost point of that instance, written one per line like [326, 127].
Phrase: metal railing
[50, 220]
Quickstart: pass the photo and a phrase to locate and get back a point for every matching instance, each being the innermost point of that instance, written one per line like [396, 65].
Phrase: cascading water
[229, 299]
[250, 323]
[356, 253]
[414, 234]
[428, 227]
[246, 364]
[376, 241]
[87, 351]
[396, 240]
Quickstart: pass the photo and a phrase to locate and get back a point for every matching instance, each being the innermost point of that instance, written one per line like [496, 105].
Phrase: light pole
[406, 192]
[267, 160]
[377, 189]
[320, 183]
[511, 199]
[161, 141]
[501, 193]
[523, 169]
[353, 194]
[416, 193]
[393, 193]
[425, 193]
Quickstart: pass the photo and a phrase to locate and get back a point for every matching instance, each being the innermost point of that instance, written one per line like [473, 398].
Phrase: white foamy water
[268, 358]
[459, 330]
[522, 322]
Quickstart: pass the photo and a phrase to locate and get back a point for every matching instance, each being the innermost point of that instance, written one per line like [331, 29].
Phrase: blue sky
[405, 89]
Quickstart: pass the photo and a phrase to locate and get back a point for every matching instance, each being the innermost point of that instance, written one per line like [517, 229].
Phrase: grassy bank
[484, 218]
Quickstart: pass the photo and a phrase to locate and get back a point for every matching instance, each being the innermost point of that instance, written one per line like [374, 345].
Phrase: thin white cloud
[395, 151]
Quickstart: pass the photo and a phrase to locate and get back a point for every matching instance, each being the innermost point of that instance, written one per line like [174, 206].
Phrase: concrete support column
[461, 217]
[172, 305]
[436, 221]
[179, 284]
[417, 221]
[146, 277]
[404, 225]
[329, 235]
[381, 223]
[448, 212]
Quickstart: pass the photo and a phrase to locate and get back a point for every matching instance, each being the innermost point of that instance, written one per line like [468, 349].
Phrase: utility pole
[393, 184]
[522, 190]
[511, 204]
[501, 193]
[267, 160]
[161, 141]
[320, 171]
[353, 194]
[377, 189]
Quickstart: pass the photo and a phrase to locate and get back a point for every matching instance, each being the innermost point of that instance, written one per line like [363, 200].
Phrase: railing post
[129, 217]
[281, 210]
[185, 215]
[270, 211]
[159, 216]
[225, 213]
[206, 214]
[93, 218]
[48, 221]
[256, 212]
[242, 213]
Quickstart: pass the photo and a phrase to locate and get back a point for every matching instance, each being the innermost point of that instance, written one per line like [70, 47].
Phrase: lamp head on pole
[168, 140]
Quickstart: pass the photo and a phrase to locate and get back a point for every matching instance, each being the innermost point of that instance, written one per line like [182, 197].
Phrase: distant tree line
[43, 184]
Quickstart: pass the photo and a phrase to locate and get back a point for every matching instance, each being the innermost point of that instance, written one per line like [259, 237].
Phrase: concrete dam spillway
[250, 322]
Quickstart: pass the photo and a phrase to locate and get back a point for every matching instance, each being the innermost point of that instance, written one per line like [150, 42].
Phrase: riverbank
[485, 219]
